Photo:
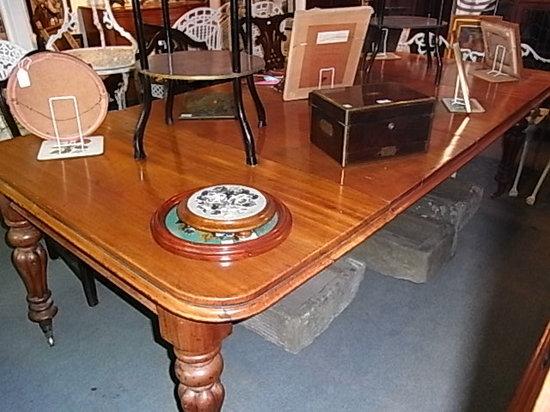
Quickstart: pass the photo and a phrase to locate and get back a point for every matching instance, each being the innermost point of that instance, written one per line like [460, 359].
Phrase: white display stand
[59, 148]
[461, 102]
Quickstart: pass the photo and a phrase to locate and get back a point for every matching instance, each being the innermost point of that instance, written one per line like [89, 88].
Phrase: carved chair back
[268, 39]
[264, 9]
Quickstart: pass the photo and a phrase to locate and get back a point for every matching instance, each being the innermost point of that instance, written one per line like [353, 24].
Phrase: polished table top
[101, 206]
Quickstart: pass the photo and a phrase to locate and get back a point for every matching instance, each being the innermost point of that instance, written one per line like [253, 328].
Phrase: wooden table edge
[107, 264]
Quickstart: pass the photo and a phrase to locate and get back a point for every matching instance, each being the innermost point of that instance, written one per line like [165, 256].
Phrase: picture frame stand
[59, 148]
[461, 102]
[500, 62]
[332, 72]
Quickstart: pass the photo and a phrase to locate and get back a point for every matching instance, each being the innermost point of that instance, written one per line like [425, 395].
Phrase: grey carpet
[458, 343]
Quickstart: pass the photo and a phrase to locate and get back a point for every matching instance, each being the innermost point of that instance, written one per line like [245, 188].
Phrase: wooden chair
[264, 9]
[10, 55]
[270, 38]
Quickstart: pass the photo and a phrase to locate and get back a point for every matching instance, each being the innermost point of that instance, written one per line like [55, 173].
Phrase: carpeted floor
[458, 343]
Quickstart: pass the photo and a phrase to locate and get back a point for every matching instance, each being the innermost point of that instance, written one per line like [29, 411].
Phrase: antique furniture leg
[529, 132]
[260, 110]
[169, 106]
[530, 200]
[437, 46]
[120, 92]
[248, 137]
[51, 247]
[511, 144]
[139, 152]
[369, 62]
[88, 283]
[83, 271]
[30, 259]
[428, 47]
[198, 364]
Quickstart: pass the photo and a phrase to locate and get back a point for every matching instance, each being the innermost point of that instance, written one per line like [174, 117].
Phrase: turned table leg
[199, 363]
[29, 259]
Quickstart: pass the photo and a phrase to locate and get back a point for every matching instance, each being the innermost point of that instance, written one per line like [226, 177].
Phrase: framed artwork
[45, 14]
[502, 61]
[325, 47]
[466, 31]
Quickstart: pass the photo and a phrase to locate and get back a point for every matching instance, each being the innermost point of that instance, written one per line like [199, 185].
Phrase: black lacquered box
[359, 123]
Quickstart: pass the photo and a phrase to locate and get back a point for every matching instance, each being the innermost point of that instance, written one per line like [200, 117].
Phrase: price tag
[23, 78]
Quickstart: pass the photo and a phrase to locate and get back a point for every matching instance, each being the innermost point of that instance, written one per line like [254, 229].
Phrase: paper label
[23, 78]
[328, 37]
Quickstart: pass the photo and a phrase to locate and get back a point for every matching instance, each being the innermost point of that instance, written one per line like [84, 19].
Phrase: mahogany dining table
[100, 207]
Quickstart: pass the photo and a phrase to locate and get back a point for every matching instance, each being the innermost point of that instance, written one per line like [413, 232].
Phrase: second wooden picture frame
[502, 61]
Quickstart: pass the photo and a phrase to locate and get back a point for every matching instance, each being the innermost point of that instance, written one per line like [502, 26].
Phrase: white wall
[16, 21]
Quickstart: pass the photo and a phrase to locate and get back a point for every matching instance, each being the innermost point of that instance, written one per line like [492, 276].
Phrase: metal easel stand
[494, 72]
[59, 148]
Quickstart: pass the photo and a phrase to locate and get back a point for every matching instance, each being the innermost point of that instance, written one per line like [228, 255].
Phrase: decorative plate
[177, 236]
[226, 208]
[50, 75]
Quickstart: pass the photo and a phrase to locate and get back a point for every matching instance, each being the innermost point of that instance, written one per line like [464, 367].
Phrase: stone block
[453, 201]
[410, 247]
[295, 321]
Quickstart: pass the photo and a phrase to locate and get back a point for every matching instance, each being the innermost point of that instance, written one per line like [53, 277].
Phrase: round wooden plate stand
[221, 223]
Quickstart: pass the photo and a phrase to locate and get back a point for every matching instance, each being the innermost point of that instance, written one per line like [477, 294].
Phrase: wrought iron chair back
[10, 55]
[202, 24]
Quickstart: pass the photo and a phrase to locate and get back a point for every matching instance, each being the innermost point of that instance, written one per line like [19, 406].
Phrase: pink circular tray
[57, 75]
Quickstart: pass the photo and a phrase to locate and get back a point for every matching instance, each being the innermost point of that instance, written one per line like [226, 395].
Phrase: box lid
[369, 97]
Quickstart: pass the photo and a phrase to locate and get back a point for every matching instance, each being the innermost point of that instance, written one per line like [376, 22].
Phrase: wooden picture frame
[45, 14]
[501, 66]
[466, 31]
[325, 48]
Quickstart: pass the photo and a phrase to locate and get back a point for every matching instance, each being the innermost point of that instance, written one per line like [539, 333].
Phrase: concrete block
[453, 201]
[410, 247]
[294, 322]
